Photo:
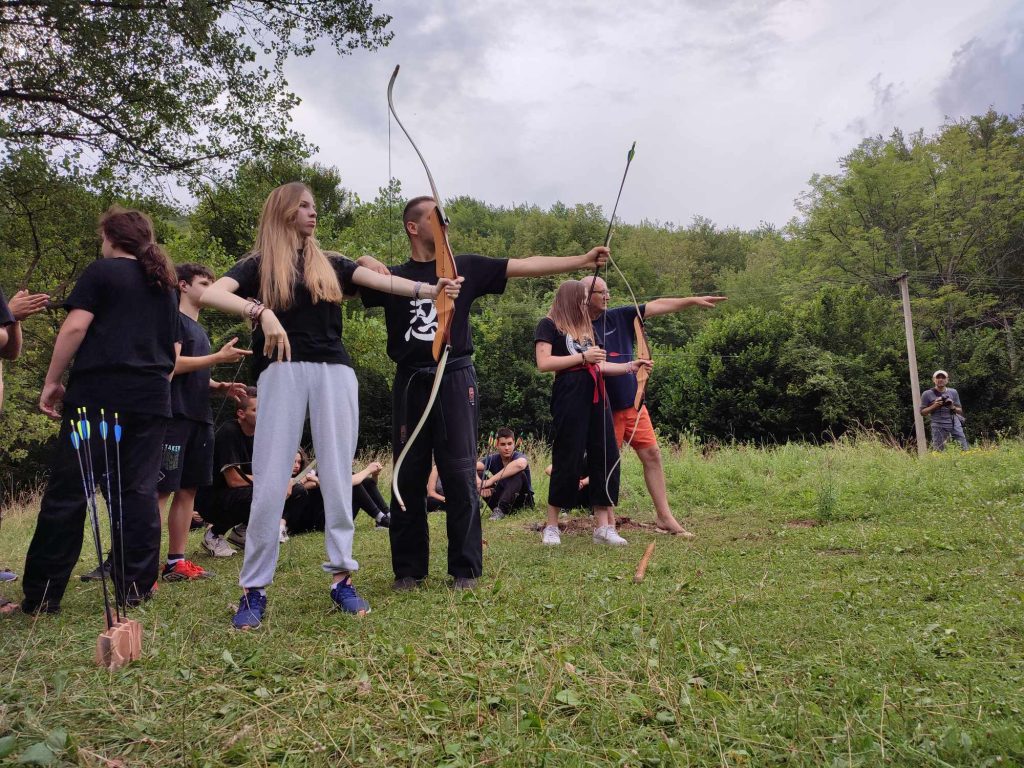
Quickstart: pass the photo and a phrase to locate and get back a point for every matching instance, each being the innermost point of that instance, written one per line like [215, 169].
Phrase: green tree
[157, 88]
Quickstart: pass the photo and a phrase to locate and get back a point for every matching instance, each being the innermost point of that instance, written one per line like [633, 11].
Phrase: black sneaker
[464, 582]
[405, 584]
[97, 573]
[384, 522]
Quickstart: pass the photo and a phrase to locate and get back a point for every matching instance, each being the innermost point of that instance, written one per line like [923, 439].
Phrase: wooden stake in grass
[641, 569]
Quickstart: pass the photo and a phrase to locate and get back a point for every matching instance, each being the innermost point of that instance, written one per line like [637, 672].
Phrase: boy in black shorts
[188, 443]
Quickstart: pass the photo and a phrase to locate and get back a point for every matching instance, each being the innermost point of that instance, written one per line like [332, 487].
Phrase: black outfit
[450, 433]
[123, 365]
[367, 497]
[188, 445]
[436, 505]
[314, 329]
[511, 493]
[304, 510]
[584, 435]
[221, 506]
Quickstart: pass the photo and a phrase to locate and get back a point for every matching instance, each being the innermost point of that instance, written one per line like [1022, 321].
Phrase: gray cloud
[733, 104]
[985, 74]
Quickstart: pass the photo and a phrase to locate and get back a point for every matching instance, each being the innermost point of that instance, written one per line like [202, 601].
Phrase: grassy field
[842, 606]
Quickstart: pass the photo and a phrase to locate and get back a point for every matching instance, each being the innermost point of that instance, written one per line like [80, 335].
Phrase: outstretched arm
[400, 286]
[668, 306]
[539, 266]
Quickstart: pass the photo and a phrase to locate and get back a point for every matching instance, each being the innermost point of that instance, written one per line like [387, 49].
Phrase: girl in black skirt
[584, 436]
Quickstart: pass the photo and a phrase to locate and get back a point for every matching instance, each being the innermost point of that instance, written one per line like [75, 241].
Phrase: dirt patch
[803, 523]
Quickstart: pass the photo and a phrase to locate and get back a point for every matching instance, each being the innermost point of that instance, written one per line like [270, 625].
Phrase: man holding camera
[942, 405]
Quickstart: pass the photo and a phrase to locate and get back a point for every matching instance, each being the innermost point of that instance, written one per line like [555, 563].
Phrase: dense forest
[104, 105]
[809, 346]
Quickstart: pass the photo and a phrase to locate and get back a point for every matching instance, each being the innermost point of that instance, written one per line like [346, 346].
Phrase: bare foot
[671, 526]
[7, 607]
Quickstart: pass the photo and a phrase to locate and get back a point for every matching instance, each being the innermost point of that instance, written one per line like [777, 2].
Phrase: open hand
[707, 301]
[24, 304]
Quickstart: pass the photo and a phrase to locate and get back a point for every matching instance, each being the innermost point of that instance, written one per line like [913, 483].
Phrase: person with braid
[121, 338]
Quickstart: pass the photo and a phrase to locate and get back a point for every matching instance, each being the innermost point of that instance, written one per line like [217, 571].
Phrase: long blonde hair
[278, 243]
[568, 314]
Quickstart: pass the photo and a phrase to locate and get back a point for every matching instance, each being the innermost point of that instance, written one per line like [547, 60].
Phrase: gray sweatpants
[285, 390]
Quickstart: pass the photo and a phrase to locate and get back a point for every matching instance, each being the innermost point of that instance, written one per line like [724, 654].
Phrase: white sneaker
[611, 536]
[216, 545]
[551, 536]
[599, 534]
[282, 537]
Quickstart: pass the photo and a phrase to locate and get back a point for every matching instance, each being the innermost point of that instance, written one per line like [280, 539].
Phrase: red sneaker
[185, 570]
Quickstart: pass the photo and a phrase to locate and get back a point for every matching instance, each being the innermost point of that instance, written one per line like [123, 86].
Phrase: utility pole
[915, 382]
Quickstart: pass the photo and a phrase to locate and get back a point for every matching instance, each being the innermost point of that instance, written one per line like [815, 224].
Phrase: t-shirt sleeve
[927, 398]
[89, 291]
[345, 268]
[246, 273]
[484, 275]
[519, 455]
[546, 331]
[179, 329]
[6, 318]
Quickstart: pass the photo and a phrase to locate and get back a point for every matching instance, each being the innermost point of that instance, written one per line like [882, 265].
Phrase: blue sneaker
[250, 611]
[6, 575]
[347, 599]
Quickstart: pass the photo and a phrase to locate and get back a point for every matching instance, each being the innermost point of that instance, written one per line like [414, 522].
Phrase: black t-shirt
[127, 356]
[615, 332]
[6, 318]
[231, 447]
[190, 392]
[494, 465]
[412, 323]
[314, 329]
[562, 345]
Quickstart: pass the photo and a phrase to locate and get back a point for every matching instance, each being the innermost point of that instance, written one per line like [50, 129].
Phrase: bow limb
[419, 426]
[444, 262]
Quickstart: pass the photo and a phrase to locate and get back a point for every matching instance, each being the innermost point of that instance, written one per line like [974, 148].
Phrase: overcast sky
[733, 104]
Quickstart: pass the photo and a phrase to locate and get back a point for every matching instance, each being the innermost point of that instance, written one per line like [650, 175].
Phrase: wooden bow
[444, 263]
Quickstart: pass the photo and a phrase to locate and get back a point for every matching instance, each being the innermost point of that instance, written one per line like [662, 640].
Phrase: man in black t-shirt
[450, 432]
[188, 443]
[226, 507]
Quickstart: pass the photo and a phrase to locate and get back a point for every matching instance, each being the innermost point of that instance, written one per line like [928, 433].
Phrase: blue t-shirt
[493, 466]
[614, 332]
[942, 416]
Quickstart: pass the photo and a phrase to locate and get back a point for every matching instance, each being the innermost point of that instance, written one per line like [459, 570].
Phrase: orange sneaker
[185, 570]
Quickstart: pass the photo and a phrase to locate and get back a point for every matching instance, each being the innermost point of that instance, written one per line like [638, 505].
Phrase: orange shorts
[643, 432]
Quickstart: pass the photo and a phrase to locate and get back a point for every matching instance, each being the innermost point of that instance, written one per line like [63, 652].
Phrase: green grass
[893, 633]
